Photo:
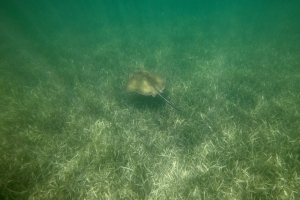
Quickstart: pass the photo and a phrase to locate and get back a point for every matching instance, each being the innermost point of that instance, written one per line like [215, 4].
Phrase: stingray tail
[168, 102]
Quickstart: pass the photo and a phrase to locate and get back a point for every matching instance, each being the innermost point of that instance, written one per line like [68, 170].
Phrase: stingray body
[147, 83]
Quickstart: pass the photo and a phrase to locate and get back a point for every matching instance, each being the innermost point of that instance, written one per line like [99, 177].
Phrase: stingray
[147, 83]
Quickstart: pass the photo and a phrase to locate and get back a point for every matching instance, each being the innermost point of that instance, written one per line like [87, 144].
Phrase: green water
[69, 131]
